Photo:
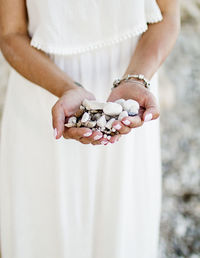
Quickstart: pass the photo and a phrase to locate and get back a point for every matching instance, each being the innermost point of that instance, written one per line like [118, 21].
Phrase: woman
[61, 198]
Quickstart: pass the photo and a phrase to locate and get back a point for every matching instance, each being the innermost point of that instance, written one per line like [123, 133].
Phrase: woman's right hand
[66, 106]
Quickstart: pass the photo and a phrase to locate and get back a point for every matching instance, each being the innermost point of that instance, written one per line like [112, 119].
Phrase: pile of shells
[101, 116]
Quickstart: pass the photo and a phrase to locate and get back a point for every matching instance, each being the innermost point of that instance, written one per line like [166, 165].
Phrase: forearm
[33, 64]
[154, 46]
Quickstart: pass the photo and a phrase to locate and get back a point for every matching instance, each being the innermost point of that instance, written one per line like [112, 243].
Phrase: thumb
[151, 109]
[58, 120]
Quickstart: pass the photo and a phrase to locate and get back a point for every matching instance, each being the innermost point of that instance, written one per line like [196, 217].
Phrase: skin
[151, 51]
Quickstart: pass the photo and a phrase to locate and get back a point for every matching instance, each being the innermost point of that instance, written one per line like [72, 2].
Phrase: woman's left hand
[149, 109]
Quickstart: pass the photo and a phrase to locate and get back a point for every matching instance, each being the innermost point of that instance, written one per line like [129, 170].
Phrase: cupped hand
[149, 109]
[65, 107]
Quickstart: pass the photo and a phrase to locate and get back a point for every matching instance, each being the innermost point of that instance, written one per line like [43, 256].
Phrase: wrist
[71, 86]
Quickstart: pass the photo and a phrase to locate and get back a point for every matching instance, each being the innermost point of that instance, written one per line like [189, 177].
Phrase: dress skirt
[63, 199]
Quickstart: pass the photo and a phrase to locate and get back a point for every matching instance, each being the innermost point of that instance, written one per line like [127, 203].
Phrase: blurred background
[180, 138]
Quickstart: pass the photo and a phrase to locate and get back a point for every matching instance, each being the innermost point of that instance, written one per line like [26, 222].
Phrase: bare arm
[38, 68]
[157, 42]
[152, 49]
[28, 61]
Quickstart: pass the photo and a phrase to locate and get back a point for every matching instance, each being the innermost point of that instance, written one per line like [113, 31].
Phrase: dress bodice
[71, 26]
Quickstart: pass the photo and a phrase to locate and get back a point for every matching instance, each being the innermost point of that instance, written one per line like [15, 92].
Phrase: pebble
[112, 109]
[100, 116]
[120, 101]
[109, 123]
[85, 117]
[101, 122]
[122, 115]
[93, 104]
[91, 124]
[132, 113]
[134, 109]
[130, 103]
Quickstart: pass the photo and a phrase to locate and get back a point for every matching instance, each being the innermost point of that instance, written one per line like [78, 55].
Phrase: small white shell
[91, 124]
[122, 115]
[112, 109]
[85, 117]
[101, 122]
[108, 137]
[71, 122]
[109, 123]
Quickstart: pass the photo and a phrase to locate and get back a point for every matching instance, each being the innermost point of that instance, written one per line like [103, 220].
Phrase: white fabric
[62, 199]
[71, 26]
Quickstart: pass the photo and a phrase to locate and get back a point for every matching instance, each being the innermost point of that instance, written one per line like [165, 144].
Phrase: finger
[152, 110]
[58, 120]
[102, 141]
[132, 122]
[95, 136]
[121, 128]
[115, 138]
[76, 133]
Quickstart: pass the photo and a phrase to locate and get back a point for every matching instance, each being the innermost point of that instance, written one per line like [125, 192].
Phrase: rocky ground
[180, 122]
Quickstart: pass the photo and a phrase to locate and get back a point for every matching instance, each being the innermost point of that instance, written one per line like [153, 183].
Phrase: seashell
[120, 101]
[130, 103]
[91, 124]
[85, 117]
[122, 115]
[71, 122]
[93, 104]
[79, 124]
[107, 117]
[112, 109]
[82, 107]
[109, 137]
[109, 123]
[96, 116]
[79, 113]
[101, 122]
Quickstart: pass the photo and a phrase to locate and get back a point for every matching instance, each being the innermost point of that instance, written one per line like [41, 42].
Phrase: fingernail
[117, 127]
[104, 142]
[126, 122]
[97, 137]
[55, 132]
[148, 117]
[87, 134]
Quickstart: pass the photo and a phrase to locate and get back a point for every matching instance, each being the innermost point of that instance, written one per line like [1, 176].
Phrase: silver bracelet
[132, 76]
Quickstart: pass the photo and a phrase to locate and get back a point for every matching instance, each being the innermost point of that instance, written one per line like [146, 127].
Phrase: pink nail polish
[126, 122]
[104, 142]
[148, 117]
[97, 137]
[87, 134]
[117, 127]
[55, 132]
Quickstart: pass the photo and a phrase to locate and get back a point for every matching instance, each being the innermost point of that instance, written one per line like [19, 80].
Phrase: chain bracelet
[141, 77]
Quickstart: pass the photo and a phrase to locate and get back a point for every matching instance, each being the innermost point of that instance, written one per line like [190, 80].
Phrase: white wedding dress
[63, 199]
